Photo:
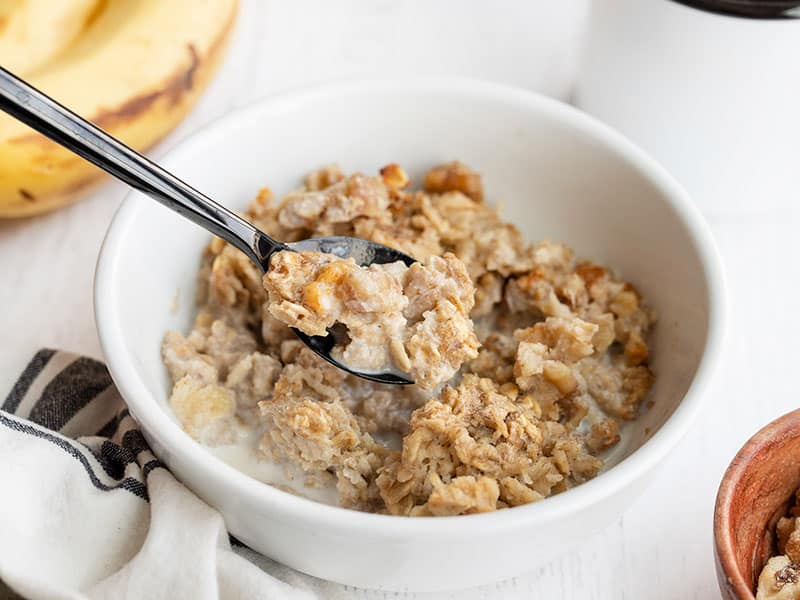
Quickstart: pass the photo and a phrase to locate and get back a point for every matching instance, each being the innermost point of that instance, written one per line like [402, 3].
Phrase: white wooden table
[662, 547]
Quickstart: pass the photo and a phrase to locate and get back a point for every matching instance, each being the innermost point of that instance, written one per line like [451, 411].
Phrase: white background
[662, 547]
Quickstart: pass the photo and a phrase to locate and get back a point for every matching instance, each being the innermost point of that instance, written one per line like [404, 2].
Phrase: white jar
[714, 97]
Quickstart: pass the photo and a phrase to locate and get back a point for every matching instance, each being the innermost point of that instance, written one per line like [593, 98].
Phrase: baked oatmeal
[780, 577]
[527, 359]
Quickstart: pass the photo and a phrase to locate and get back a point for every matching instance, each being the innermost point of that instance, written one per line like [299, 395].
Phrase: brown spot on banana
[174, 88]
[188, 81]
[95, 14]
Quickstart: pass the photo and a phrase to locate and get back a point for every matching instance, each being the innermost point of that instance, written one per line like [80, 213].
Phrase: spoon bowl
[364, 253]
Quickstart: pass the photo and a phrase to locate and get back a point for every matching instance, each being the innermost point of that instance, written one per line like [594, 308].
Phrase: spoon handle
[40, 112]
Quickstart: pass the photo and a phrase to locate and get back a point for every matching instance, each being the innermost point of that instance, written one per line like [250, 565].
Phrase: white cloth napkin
[87, 511]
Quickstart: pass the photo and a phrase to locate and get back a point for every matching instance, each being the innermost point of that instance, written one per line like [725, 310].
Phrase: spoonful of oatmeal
[362, 306]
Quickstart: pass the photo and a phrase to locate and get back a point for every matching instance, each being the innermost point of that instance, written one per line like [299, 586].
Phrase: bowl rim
[155, 419]
[727, 566]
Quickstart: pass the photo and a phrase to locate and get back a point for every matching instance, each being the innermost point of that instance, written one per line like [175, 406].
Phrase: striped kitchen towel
[87, 511]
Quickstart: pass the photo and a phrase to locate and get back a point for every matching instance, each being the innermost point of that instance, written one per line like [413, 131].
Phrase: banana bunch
[133, 67]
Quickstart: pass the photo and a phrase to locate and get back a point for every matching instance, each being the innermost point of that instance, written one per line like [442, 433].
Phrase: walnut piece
[454, 177]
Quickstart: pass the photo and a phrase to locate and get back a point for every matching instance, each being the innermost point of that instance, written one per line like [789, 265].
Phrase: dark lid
[758, 9]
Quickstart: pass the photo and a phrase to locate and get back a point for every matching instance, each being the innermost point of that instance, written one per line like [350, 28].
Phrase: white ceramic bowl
[558, 174]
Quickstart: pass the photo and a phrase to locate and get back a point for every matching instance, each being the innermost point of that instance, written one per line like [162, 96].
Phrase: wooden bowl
[754, 493]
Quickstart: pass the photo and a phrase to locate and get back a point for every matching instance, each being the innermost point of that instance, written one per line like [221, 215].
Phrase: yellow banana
[32, 31]
[133, 67]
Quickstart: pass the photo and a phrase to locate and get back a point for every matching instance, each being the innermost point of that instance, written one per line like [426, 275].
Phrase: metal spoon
[51, 119]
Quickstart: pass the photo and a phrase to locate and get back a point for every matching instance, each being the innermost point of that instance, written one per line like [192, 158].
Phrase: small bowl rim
[723, 543]
[155, 419]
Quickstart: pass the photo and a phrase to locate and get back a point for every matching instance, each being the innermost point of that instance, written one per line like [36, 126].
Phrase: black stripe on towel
[114, 459]
[23, 384]
[134, 486]
[134, 441]
[107, 430]
[153, 464]
[69, 391]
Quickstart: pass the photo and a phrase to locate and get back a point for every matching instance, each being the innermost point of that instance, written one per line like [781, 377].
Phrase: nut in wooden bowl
[754, 493]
